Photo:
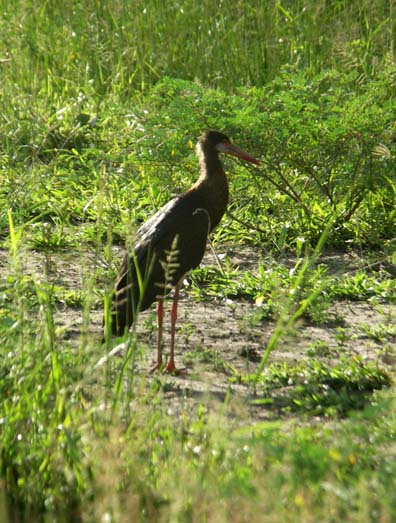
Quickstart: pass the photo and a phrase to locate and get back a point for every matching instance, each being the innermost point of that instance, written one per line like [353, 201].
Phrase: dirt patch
[218, 339]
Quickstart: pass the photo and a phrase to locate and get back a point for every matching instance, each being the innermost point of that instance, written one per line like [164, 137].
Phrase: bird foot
[170, 368]
[156, 366]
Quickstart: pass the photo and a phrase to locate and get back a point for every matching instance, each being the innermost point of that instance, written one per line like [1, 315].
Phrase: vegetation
[101, 103]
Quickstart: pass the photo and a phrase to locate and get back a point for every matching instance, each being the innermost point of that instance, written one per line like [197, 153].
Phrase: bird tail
[131, 295]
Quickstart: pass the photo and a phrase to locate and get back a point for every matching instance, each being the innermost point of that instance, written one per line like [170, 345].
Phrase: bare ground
[217, 339]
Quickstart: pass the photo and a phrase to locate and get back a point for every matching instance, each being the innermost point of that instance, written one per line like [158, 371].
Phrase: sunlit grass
[118, 48]
[100, 104]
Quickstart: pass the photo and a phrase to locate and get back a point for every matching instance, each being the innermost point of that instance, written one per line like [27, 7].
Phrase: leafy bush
[327, 150]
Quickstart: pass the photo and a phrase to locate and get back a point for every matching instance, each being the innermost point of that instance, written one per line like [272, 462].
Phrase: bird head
[223, 144]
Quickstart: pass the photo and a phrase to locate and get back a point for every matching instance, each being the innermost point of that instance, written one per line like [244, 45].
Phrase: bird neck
[210, 167]
[212, 184]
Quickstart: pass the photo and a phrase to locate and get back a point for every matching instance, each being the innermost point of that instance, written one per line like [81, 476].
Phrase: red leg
[170, 366]
[160, 320]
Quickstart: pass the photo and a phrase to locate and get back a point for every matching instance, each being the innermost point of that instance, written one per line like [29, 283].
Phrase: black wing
[168, 245]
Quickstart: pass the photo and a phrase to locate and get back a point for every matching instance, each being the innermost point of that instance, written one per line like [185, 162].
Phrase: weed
[205, 355]
[380, 333]
[320, 388]
[321, 349]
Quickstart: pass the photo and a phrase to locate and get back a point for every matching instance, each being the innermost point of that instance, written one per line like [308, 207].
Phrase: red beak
[234, 150]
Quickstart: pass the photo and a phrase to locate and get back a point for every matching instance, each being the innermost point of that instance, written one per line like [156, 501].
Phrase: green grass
[100, 106]
[319, 388]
